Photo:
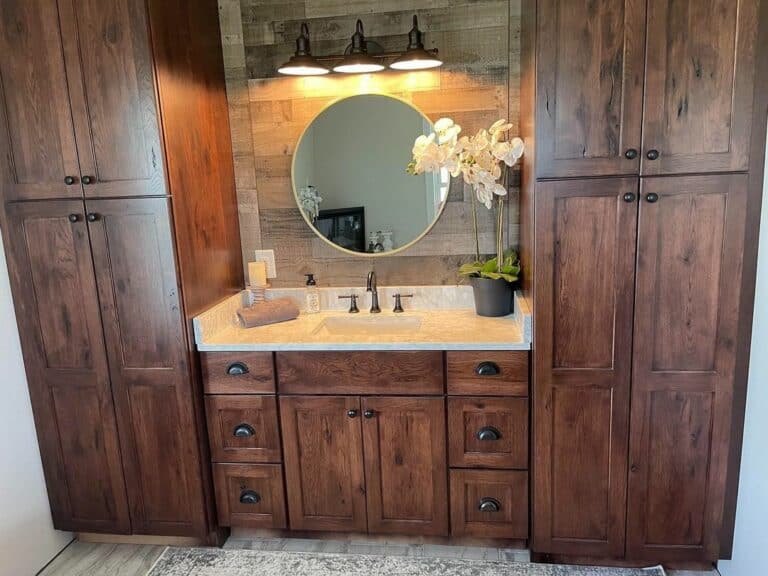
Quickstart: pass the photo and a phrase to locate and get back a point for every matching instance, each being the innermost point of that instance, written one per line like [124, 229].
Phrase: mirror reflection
[350, 181]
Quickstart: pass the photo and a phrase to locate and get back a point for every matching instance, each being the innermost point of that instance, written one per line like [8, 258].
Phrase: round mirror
[350, 180]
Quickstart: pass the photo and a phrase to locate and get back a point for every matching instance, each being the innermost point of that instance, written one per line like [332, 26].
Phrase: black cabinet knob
[92, 217]
[652, 197]
[73, 218]
[352, 413]
[88, 180]
[630, 154]
[369, 413]
[488, 434]
[652, 155]
[69, 180]
[487, 369]
[249, 497]
[629, 197]
[243, 431]
[237, 369]
[489, 505]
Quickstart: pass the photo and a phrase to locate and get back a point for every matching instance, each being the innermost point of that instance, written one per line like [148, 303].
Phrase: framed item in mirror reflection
[345, 227]
[349, 175]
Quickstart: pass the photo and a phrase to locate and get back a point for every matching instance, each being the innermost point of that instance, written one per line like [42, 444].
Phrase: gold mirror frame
[393, 252]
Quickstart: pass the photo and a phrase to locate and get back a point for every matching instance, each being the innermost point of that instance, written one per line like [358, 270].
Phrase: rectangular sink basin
[368, 325]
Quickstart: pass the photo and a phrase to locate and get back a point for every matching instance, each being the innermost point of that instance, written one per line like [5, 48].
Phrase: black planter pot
[492, 297]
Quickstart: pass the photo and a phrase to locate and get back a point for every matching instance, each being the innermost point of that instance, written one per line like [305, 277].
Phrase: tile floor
[88, 559]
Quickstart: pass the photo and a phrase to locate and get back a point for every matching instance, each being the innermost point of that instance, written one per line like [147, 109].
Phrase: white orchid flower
[443, 124]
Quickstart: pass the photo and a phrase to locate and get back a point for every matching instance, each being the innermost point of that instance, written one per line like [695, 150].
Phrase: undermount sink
[368, 325]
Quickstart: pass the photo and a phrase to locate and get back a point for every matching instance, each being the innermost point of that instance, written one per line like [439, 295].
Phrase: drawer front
[243, 428]
[250, 495]
[488, 432]
[400, 373]
[238, 372]
[487, 373]
[489, 503]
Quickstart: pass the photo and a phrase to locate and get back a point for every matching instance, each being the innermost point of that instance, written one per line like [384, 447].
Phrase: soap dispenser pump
[312, 295]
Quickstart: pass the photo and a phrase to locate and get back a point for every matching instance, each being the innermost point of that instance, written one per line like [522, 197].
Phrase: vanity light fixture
[357, 59]
[303, 63]
[415, 56]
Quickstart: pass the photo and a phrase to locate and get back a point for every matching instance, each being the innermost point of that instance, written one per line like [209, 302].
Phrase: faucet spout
[372, 287]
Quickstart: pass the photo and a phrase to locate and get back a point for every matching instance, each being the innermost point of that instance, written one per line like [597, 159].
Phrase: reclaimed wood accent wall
[479, 83]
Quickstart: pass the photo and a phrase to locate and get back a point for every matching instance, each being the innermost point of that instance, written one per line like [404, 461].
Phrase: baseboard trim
[96, 538]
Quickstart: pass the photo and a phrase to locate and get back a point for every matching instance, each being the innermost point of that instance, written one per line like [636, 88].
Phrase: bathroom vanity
[413, 423]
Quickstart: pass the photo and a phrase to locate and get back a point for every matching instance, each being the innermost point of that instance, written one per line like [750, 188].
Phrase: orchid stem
[474, 224]
[500, 237]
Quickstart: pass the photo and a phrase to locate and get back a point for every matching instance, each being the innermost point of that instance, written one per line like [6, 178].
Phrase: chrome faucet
[372, 288]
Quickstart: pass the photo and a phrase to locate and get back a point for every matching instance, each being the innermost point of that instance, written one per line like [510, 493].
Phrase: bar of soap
[257, 273]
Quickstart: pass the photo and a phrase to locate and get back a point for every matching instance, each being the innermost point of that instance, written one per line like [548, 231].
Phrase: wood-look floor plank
[89, 559]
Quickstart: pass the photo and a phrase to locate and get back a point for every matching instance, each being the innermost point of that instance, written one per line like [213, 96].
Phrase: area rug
[216, 562]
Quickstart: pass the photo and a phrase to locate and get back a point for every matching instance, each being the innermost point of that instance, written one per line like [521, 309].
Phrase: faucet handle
[398, 301]
[353, 309]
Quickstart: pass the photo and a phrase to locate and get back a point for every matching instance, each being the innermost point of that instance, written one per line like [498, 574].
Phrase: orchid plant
[483, 160]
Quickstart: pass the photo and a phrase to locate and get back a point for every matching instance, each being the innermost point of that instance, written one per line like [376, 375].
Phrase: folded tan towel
[270, 312]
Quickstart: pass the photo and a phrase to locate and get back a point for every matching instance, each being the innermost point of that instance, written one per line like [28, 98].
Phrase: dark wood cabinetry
[640, 279]
[65, 357]
[583, 363]
[104, 287]
[690, 246]
[405, 465]
[323, 447]
[681, 73]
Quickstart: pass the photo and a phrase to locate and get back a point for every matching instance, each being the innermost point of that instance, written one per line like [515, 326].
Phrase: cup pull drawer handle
[237, 369]
[249, 497]
[489, 505]
[488, 434]
[243, 431]
[487, 369]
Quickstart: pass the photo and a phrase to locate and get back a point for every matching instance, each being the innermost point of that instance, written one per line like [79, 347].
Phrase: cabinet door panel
[60, 326]
[113, 96]
[585, 259]
[136, 276]
[589, 86]
[38, 139]
[405, 465]
[699, 84]
[323, 451]
[689, 259]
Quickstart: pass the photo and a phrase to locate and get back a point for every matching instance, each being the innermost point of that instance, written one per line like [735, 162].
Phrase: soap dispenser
[312, 295]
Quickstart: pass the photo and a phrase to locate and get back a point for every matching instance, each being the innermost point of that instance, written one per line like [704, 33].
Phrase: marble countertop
[440, 329]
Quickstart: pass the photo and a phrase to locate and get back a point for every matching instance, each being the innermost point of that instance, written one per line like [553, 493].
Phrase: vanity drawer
[238, 372]
[400, 373]
[250, 495]
[488, 432]
[243, 428]
[489, 503]
[487, 373]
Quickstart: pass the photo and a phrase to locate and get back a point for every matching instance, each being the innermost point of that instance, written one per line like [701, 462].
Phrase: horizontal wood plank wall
[479, 42]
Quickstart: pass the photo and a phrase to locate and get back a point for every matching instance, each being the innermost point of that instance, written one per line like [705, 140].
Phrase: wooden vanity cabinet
[109, 109]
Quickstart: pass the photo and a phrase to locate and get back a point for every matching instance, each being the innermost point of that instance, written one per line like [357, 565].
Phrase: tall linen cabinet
[645, 131]
[119, 222]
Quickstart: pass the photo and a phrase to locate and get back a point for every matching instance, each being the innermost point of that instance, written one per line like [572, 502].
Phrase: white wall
[27, 538]
[750, 548]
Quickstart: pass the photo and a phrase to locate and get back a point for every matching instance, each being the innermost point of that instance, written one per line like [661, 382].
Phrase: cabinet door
[589, 87]
[405, 465]
[699, 82]
[585, 265]
[112, 89]
[37, 139]
[136, 276]
[323, 452]
[58, 313]
[687, 308]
